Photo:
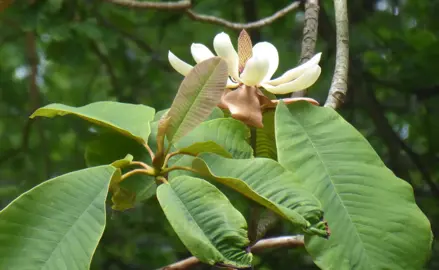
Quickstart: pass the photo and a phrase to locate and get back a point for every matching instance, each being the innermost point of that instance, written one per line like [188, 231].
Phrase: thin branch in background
[184, 4]
[107, 24]
[309, 38]
[239, 26]
[339, 87]
[277, 242]
[250, 14]
[106, 62]
[392, 140]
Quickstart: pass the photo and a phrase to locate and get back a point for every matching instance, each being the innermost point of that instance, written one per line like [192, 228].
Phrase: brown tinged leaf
[4, 4]
[198, 95]
[160, 154]
[244, 105]
[244, 49]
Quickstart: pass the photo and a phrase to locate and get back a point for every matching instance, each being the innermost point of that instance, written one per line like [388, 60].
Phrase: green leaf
[208, 147]
[372, 215]
[107, 147]
[128, 119]
[265, 137]
[266, 182]
[143, 186]
[229, 133]
[198, 95]
[57, 224]
[206, 222]
[121, 163]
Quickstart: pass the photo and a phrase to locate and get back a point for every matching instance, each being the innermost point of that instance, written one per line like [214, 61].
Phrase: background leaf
[207, 223]
[58, 224]
[372, 215]
[198, 95]
[266, 182]
[128, 119]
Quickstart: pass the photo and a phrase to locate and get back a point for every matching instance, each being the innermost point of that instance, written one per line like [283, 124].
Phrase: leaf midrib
[193, 104]
[196, 222]
[335, 188]
[70, 228]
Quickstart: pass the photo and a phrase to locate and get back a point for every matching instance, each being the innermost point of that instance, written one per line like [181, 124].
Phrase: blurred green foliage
[76, 52]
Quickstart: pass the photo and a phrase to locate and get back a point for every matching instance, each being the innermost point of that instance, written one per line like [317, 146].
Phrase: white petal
[266, 49]
[231, 84]
[179, 65]
[255, 71]
[297, 71]
[223, 47]
[304, 81]
[200, 52]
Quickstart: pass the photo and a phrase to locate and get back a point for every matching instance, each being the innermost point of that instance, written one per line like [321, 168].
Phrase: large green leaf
[372, 215]
[128, 119]
[198, 95]
[57, 224]
[229, 133]
[206, 222]
[266, 182]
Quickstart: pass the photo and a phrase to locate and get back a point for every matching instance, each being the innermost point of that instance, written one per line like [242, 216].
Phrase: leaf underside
[206, 222]
[57, 224]
[129, 119]
[198, 95]
[267, 183]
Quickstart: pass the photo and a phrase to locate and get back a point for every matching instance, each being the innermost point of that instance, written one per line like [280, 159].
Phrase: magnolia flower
[249, 69]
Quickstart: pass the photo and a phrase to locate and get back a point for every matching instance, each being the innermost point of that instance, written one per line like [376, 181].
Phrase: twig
[140, 43]
[309, 38]
[174, 168]
[277, 242]
[337, 92]
[239, 26]
[108, 66]
[137, 171]
[391, 138]
[150, 152]
[184, 4]
[141, 164]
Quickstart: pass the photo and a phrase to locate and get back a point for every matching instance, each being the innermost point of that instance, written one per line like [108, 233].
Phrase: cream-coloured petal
[297, 71]
[231, 84]
[200, 52]
[179, 65]
[304, 81]
[266, 49]
[255, 71]
[223, 47]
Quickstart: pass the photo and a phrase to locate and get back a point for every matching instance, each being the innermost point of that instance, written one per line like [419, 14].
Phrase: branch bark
[186, 6]
[277, 242]
[239, 26]
[309, 36]
[339, 88]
